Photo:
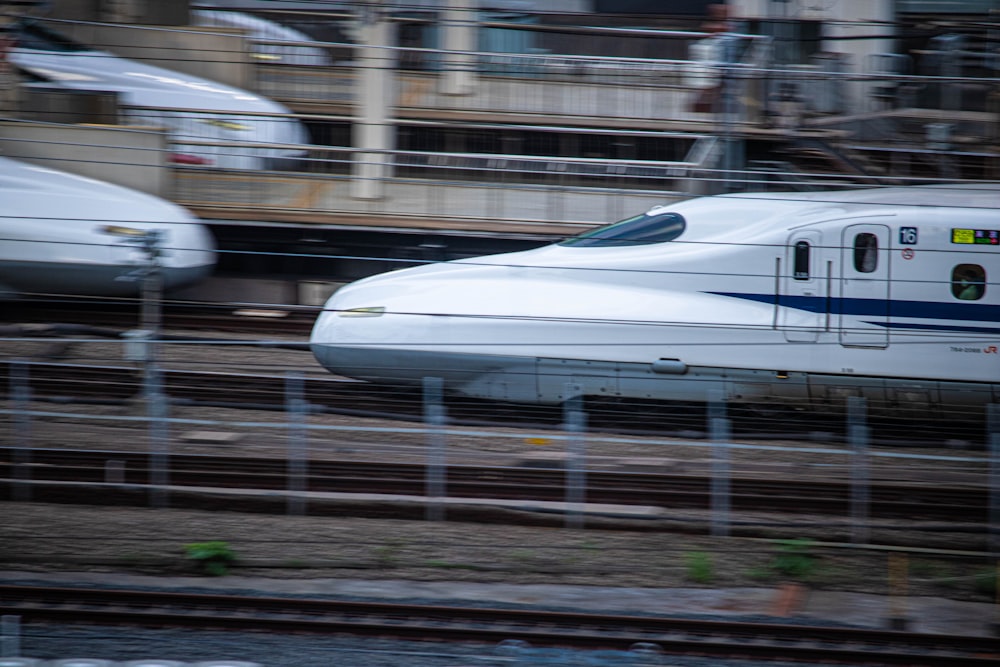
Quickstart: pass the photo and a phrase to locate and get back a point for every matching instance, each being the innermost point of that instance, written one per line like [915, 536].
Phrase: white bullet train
[62, 234]
[793, 300]
[192, 109]
[294, 47]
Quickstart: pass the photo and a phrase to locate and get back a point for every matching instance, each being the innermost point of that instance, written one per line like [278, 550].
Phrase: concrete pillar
[373, 130]
[10, 81]
[123, 11]
[852, 39]
[135, 12]
[459, 27]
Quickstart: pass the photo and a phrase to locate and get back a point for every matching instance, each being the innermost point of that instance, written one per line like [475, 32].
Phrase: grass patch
[212, 558]
[700, 567]
[387, 555]
[795, 559]
[985, 583]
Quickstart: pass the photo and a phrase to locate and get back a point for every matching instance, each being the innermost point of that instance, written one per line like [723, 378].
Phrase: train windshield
[654, 226]
[31, 35]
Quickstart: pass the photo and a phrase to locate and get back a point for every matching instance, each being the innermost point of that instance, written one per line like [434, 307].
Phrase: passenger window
[865, 253]
[968, 282]
[800, 269]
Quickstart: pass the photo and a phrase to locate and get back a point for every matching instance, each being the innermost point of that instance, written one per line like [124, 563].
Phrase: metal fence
[302, 436]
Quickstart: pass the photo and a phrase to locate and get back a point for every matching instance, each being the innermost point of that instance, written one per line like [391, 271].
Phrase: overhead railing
[472, 192]
[704, 104]
[604, 90]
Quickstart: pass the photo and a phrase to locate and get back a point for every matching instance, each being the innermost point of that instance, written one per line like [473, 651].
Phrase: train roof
[33, 191]
[747, 215]
[54, 60]
[963, 195]
[295, 49]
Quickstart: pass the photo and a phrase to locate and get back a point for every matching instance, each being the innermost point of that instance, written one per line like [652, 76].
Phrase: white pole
[373, 129]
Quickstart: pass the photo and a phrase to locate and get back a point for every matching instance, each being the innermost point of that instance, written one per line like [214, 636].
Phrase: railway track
[124, 314]
[668, 491]
[327, 393]
[532, 627]
[63, 381]
[272, 320]
[265, 323]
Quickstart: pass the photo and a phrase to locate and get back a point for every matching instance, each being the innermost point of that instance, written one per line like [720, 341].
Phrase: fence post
[719, 430]
[993, 442]
[159, 441]
[995, 625]
[858, 434]
[575, 423]
[898, 590]
[20, 396]
[434, 417]
[10, 636]
[298, 445]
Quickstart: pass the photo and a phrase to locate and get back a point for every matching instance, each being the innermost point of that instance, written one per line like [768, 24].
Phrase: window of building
[865, 253]
[968, 282]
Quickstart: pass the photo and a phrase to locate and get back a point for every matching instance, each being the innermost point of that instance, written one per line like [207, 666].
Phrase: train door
[864, 286]
[802, 299]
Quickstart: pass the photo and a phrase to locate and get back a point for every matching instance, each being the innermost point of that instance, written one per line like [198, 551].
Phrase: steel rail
[538, 627]
[782, 495]
[325, 393]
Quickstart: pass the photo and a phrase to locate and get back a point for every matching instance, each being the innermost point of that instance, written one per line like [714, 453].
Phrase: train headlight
[124, 232]
[150, 240]
[227, 124]
[58, 75]
[370, 311]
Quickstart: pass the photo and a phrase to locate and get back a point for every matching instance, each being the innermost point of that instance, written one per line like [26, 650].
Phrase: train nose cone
[342, 340]
[190, 258]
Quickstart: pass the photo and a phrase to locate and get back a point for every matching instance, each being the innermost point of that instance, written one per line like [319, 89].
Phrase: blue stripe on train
[893, 308]
[953, 328]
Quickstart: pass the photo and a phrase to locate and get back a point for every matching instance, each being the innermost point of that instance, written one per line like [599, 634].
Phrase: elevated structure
[502, 120]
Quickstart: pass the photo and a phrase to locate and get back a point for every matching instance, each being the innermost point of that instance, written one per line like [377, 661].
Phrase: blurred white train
[773, 300]
[62, 234]
[238, 122]
[271, 42]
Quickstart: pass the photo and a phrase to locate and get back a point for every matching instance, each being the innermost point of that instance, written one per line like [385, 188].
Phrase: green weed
[213, 558]
[700, 567]
[794, 558]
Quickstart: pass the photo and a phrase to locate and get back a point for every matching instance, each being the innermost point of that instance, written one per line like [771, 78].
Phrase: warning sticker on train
[976, 236]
